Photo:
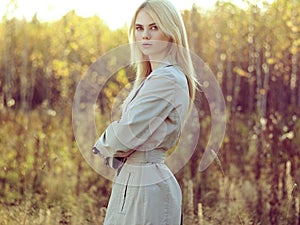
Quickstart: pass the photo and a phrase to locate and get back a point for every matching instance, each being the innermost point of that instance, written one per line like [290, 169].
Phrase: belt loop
[147, 155]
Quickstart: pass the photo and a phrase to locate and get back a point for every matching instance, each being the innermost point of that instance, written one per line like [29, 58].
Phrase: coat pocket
[125, 195]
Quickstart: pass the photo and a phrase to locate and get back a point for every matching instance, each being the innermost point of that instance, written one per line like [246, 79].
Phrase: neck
[155, 63]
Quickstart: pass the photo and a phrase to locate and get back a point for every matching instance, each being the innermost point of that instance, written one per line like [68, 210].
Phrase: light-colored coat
[145, 191]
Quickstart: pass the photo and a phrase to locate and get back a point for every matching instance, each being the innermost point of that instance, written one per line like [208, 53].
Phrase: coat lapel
[132, 95]
[136, 91]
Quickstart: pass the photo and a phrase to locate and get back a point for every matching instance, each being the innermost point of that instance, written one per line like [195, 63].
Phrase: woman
[145, 191]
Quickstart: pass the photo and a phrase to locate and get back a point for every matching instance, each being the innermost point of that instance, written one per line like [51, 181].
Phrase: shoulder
[172, 73]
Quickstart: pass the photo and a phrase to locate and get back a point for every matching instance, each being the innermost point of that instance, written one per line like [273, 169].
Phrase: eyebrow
[150, 25]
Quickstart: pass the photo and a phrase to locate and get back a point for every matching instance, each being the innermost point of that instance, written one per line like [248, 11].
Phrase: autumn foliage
[255, 56]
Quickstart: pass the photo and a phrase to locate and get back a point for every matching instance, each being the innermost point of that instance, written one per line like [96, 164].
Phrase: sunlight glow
[115, 13]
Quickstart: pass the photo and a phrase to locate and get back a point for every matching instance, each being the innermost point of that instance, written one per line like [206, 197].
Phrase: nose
[146, 35]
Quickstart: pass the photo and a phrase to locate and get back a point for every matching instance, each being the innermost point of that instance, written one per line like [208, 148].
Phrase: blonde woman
[145, 191]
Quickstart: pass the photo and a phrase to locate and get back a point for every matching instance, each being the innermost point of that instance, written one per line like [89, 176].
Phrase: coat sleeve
[144, 115]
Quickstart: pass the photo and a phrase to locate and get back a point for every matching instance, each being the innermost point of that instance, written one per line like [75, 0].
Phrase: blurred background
[253, 48]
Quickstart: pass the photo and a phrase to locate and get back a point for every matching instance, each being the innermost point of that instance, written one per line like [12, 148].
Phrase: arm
[144, 115]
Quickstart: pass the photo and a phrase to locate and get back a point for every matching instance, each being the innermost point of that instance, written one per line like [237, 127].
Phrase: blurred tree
[254, 53]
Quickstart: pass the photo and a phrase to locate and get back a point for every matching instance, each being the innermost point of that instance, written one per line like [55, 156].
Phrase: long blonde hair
[170, 22]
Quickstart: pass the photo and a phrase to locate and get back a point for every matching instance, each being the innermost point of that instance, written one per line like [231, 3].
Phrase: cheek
[161, 37]
[138, 36]
[166, 38]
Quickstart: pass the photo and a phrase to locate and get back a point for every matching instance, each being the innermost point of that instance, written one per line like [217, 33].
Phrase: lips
[146, 44]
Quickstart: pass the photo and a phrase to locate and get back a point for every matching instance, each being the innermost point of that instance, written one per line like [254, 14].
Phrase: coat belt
[148, 156]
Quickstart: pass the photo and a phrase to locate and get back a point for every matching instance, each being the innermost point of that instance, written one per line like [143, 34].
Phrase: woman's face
[150, 39]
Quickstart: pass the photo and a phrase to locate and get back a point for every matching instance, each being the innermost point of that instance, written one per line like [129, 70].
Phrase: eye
[154, 27]
[139, 28]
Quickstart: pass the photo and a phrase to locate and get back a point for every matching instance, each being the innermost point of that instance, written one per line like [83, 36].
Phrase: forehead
[144, 18]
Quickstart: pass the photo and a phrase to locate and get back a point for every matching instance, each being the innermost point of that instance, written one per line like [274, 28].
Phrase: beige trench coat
[145, 191]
